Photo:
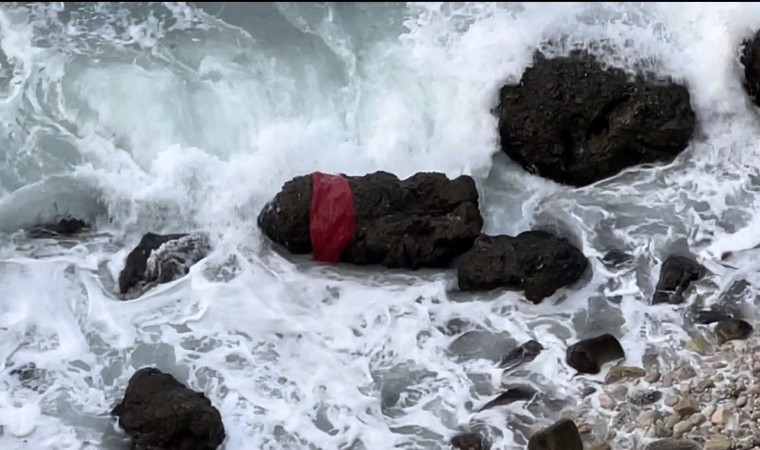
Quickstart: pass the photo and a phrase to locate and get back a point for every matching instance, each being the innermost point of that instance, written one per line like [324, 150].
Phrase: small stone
[600, 446]
[588, 390]
[719, 365]
[730, 329]
[667, 381]
[755, 416]
[718, 443]
[606, 402]
[647, 418]
[684, 372]
[644, 398]
[662, 432]
[681, 428]
[673, 444]
[741, 401]
[703, 385]
[619, 373]
[718, 377]
[671, 421]
[685, 388]
[719, 417]
[671, 401]
[685, 407]
[653, 376]
[618, 392]
[697, 419]
[584, 428]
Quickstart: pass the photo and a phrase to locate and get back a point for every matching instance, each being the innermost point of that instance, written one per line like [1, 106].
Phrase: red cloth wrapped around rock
[332, 217]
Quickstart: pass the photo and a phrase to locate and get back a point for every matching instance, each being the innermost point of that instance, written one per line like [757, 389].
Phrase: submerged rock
[616, 259]
[64, 227]
[509, 396]
[535, 261]
[708, 316]
[574, 121]
[160, 259]
[423, 221]
[562, 435]
[588, 355]
[526, 352]
[159, 412]
[676, 274]
[750, 59]
[732, 329]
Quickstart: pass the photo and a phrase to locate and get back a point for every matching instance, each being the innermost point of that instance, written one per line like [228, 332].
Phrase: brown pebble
[684, 372]
[671, 401]
[703, 385]
[685, 407]
[584, 428]
[619, 373]
[606, 402]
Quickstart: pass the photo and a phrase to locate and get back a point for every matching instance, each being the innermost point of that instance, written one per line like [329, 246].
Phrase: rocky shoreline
[709, 401]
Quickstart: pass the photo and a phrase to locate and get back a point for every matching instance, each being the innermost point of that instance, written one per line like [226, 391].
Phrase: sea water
[173, 117]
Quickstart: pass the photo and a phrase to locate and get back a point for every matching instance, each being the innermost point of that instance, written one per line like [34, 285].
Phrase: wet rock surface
[423, 221]
[676, 275]
[588, 355]
[160, 259]
[159, 412]
[573, 121]
[535, 261]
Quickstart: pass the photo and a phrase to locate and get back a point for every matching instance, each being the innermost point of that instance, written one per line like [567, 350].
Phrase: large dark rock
[588, 355]
[535, 261]
[160, 413]
[575, 122]
[676, 275]
[562, 435]
[750, 59]
[160, 259]
[423, 221]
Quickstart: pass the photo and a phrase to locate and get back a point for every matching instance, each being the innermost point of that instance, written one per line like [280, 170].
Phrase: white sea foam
[167, 118]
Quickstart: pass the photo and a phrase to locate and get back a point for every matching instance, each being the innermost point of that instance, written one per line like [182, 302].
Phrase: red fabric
[332, 219]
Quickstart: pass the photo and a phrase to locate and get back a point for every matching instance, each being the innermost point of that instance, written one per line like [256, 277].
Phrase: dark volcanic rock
[750, 59]
[575, 122]
[676, 275]
[470, 441]
[160, 259]
[524, 353]
[732, 329]
[159, 412]
[588, 355]
[563, 435]
[423, 221]
[64, 227]
[535, 261]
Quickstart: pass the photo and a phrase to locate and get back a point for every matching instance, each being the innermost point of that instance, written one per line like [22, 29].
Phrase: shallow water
[175, 118]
